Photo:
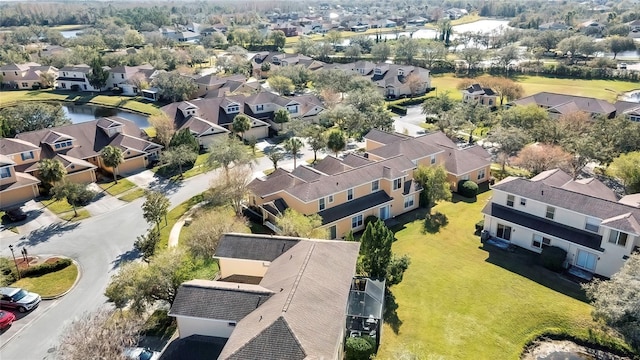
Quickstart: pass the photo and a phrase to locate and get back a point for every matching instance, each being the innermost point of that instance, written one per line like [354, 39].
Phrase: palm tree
[241, 124]
[293, 146]
[51, 171]
[112, 157]
[275, 156]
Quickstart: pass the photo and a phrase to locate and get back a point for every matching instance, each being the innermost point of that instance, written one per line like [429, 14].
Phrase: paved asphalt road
[99, 244]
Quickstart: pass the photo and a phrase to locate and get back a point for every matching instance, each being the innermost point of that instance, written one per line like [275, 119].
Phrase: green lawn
[132, 195]
[128, 103]
[51, 284]
[70, 216]
[57, 206]
[115, 189]
[172, 218]
[601, 89]
[460, 301]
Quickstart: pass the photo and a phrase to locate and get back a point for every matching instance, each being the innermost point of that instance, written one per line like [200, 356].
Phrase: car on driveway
[6, 319]
[15, 215]
[141, 354]
[20, 299]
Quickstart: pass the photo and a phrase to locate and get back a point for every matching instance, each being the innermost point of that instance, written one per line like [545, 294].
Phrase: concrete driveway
[410, 124]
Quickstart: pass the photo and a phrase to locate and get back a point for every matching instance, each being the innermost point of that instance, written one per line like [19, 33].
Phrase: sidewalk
[103, 203]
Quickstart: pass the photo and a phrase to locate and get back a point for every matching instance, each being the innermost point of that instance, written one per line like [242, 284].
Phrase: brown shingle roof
[553, 100]
[10, 146]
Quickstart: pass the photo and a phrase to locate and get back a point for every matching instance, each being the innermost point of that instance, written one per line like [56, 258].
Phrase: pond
[70, 34]
[83, 113]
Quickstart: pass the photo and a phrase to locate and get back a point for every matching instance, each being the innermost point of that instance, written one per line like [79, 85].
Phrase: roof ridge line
[296, 282]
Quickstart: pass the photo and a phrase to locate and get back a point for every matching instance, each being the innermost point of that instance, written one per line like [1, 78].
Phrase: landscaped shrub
[553, 257]
[479, 225]
[46, 268]
[359, 348]
[467, 188]
[368, 219]
[398, 109]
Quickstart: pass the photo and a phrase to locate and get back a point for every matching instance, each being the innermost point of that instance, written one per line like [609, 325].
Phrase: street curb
[74, 283]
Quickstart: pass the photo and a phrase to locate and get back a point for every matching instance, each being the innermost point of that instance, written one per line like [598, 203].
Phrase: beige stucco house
[583, 217]
[28, 76]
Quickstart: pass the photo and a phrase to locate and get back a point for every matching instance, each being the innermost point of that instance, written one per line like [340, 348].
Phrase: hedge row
[398, 109]
[46, 268]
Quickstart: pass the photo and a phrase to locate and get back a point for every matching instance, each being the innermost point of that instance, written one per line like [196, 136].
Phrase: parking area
[24, 320]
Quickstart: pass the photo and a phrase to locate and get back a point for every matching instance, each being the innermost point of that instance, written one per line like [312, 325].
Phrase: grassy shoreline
[132, 104]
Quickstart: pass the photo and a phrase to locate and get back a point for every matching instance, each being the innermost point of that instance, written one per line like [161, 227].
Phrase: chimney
[386, 172]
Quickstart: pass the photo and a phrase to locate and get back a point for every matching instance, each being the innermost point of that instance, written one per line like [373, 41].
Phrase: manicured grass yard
[57, 206]
[51, 284]
[602, 89]
[70, 216]
[460, 301]
[132, 195]
[116, 189]
[128, 103]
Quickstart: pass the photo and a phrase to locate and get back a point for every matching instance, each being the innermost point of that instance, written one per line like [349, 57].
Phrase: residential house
[16, 186]
[277, 298]
[74, 77]
[583, 217]
[342, 192]
[78, 147]
[259, 107]
[479, 95]
[129, 78]
[28, 76]
[455, 13]
[561, 104]
[393, 81]
[462, 162]
[218, 85]
[288, 29]
[275, 59]
[634, 25]
[629, 109]
[180, 34]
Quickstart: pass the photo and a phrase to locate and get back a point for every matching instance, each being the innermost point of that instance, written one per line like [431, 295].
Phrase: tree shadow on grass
[433, 222]
[390, 314]
[45, 233]
[527, 264]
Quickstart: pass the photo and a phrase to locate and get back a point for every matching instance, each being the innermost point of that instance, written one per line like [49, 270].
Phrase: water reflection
[84, 113]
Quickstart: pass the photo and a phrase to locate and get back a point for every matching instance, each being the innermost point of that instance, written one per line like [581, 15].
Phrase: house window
[510, 200]
[232, 324]
[321, 204]
[504, 232]
[356, 221]
[592, 224]
[433, 159]
[465, 177]
[481, 174]
[523, 202]
[5, 172]
[618, 238]
[375, 185]
[397, 184]
[333, 233]
[540, 242]
[349, 194]
[122, 76]
[232, 109]
[24, 84]
[330, 199]
[64, 74]
[27, 155]
[260, 108]
[85, 86]
[551, 212]
[377, 71]
[408, 202]
[64, 85]
[400, 72]
[292, 108]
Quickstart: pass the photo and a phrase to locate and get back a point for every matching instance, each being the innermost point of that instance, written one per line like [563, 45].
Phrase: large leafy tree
[618, 44]
[30, 116]
[99, 75]
[294, 147]
[278, 38]
[112, 157]
[241, 124]
[316, 139]
[281, 84]
[51, 171]
[616, 301]
[406, 49]
[179, 156]
[510, 140]
[435, 186]
[232, 190]
[626, 167]
[155, 207]
[293, 223]
[75, 194]
[207, 228]
[377, 259]
[139, 285]
[175, 87]
[227, 151]
[380, 52]
[186, 138]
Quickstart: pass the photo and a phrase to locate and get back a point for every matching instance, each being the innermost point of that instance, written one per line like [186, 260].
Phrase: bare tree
[537, 158]
[205, 231]
[103, 334]
[415, 83]
[165, 128]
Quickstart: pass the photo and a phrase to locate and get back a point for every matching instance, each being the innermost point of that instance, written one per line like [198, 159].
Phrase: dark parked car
[16, 298]
[15, 215]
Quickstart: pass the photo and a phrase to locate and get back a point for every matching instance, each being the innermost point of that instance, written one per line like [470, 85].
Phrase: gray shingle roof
[276, 342]
[583, 103]
[232, 301]
[354, 207]
[253, 247]
[566, 199]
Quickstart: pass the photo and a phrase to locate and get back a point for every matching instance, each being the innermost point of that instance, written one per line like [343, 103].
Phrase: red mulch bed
[23, 264]
[51, 260]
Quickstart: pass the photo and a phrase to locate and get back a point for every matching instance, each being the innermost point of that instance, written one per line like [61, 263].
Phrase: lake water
[70, 34]
[83, 113]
